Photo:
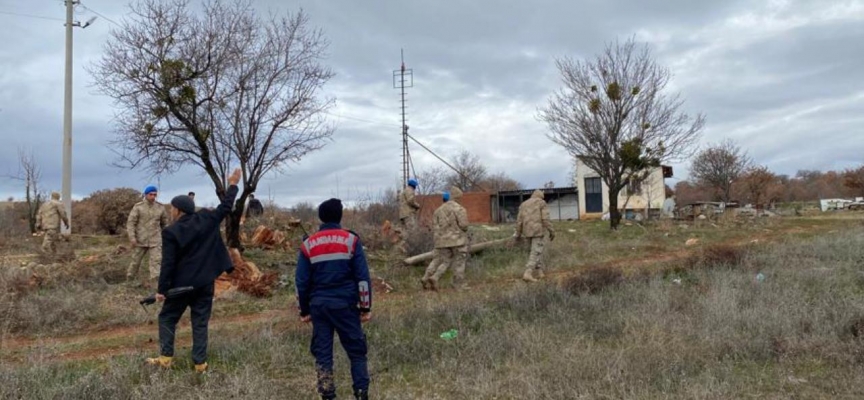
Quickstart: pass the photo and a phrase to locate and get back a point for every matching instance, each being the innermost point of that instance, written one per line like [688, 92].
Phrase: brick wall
[477, 204]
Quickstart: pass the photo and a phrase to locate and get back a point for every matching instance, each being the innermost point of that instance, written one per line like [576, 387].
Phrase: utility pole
[67, 119]
[67, 112]
[404, 78]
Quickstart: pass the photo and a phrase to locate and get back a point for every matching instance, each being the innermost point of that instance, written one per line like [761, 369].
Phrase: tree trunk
[232, 225]
[232, 228]
[614, 214]
[32, 210]
[474, 248]
[727, 193]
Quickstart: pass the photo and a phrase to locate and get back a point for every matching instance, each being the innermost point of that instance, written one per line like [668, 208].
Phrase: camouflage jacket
[50, 215]
[145, 223]
[450, 225]
[533, 219]
[408, 205]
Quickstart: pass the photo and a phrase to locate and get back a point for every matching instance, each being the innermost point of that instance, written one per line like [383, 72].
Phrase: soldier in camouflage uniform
[144, 226]
[533, 223]
[451, 242]
[408, 208]
[48, 219]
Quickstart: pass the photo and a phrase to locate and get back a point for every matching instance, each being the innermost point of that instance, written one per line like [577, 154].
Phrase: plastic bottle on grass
[450, 335]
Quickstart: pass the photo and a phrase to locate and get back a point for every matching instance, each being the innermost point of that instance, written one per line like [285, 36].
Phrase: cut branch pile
[246, 278]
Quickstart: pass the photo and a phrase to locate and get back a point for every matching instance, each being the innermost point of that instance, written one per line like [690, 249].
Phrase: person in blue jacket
[334, 294]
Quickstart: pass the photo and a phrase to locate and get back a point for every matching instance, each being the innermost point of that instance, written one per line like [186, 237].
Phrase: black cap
[330, 211]
[184, 203]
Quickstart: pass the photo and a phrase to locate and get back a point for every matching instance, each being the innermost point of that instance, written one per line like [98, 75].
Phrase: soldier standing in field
[408, 209]
[144, 227]
[450, 228]
[533, 223]
[48, 219]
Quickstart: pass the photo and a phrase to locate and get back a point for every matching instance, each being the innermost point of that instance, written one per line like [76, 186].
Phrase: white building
[594, 194]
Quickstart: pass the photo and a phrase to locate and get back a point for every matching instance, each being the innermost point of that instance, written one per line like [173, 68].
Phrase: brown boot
[527, 276]
[201, 368]
[161, 361]
[433, 284]
[539, 273]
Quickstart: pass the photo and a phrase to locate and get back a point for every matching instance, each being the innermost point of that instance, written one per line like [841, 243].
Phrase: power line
[98, 14]
[456, 170]
[31, 16]
[360, 119]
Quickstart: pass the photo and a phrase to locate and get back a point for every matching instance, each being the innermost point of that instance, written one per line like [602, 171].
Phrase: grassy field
[630, 314]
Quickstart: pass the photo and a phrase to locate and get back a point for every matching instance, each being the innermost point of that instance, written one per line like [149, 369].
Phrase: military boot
[433, 284]
[527, 276]
[361, 394]
[539, 273]
[425, 282]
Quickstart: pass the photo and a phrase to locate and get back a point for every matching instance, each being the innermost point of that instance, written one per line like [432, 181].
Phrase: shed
[563, 203]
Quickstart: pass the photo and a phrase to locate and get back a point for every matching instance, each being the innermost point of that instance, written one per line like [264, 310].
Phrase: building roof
[570, 189]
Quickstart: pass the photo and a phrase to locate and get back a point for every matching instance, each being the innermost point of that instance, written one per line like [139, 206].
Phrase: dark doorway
[593, 195]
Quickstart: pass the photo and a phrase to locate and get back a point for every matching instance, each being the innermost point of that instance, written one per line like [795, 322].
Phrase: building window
[634, 187]
[593, 185]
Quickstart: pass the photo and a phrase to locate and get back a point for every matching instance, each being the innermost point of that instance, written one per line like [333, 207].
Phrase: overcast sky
[782, 78]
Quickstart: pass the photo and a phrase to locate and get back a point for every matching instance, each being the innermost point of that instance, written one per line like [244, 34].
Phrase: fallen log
[474, 248]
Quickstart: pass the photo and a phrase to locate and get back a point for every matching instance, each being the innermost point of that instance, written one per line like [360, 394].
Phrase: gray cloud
[780, 77]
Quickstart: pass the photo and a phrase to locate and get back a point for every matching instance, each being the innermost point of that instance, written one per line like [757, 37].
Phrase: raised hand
[234, 179]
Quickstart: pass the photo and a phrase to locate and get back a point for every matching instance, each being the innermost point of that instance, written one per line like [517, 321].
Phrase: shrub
[13, 220]
[105, 211]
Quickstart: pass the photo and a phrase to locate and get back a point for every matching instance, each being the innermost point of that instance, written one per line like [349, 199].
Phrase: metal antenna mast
[404, 78]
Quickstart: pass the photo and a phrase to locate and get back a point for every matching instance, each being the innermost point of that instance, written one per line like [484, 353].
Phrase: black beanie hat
[184, 203]
[330, 211]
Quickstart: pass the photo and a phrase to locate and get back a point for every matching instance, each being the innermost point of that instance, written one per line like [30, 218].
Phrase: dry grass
[594, 280]
[710, 330]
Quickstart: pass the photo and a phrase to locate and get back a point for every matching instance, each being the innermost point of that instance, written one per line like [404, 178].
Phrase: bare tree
[214, 89]
[614, 116]
[854, 180]
[432, 180]
[30, 175]
[719, 166]
[759, 186]
[468, 172]
[498, 182]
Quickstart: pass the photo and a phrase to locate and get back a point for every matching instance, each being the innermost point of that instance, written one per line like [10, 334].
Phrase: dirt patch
[721, 255]
[594, 280]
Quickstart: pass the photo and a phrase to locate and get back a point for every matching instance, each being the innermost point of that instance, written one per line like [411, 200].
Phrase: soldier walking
[451, 242]
[48, 219]
[144, 226]
[408, 209]
[533, 223]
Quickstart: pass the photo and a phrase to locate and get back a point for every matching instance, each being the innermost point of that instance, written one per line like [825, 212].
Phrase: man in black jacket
[193, 254]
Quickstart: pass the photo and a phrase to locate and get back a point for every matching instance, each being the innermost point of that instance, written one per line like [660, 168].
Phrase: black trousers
[200, 301]
[344, 321]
